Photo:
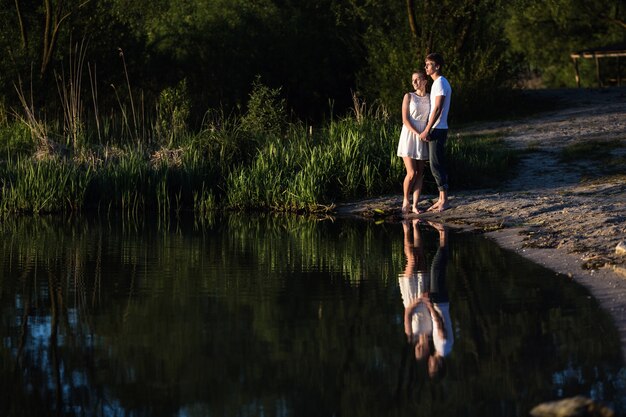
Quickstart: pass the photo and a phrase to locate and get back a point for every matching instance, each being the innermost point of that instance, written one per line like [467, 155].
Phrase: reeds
[31, 118]
[30, 186]
[298, 172]
[347, 159]
[70, 94]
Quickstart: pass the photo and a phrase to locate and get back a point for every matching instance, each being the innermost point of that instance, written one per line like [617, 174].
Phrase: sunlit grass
[347, 159]
[298, 171]
[596, 158]
[477, 161]
[590, 150]
[30, 186]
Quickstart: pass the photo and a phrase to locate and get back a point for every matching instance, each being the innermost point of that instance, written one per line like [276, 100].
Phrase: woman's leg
[409, 181]
[417, 186]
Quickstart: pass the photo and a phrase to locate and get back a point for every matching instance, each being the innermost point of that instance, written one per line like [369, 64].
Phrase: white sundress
[410, 144]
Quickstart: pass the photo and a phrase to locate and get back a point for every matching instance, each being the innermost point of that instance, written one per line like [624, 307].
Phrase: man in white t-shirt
[436, 131]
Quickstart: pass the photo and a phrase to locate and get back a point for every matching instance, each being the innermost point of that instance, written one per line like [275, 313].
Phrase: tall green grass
[15, 140]
[347, 159]
[297, 171]
[30, 186]
[477, 161]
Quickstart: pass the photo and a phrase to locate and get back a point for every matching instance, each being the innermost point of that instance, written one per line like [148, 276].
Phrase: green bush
[173, 110]
[266, 114]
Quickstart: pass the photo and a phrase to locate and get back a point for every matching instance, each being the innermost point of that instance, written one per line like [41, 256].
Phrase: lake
[265, 315]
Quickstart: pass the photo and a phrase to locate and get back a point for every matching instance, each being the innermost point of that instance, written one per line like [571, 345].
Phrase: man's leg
[437, 153]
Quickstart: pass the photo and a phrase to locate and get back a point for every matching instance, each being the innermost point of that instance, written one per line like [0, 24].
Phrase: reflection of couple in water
[427, 321]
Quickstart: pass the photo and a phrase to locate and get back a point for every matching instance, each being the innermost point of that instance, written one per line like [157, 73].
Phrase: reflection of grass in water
[601, 153]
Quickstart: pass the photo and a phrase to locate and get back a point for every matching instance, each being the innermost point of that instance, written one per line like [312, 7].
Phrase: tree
[397, 37]
[547, 31]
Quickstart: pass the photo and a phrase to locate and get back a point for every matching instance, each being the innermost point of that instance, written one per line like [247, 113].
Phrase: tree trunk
[21, 22]
[410, 9]
[53, 21]
[465, 25]
[45, 53]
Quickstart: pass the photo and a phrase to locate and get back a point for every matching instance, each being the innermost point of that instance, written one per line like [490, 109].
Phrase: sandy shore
[569, 217]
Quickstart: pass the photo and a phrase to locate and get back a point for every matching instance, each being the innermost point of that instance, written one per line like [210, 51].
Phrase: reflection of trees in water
[516, 338]
[49, 308]
[88, 328]
[509, 318]
[106, 321]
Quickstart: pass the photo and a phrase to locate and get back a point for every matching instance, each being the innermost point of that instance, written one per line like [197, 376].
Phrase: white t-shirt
[443, 345]
[441, 87]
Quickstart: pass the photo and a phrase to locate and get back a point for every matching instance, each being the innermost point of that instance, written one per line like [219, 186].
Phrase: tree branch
[46, 42]
[22, 27]
[410, 9]
[615, 20]
[51, 31]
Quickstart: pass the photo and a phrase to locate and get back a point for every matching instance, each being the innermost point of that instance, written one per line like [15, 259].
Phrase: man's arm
[434, 116]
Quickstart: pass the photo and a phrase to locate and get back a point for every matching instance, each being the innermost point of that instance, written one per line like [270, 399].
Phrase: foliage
[477, 64]
[221, 46]
[300, 170]
[15, 140]
[266, 113]
[316, 53]
[173, 110]
[560, 27]
[345, 160]
[479, 161]
[602, 157]
[42, 186]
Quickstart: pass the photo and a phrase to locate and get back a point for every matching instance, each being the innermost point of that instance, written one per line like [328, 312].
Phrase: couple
[427, 321]
[424, 133]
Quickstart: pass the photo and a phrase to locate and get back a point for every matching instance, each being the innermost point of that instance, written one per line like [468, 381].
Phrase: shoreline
[606, 285]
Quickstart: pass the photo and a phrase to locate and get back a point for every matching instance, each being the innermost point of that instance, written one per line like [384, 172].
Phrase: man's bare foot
[434, 207]
[443, 207]
[436, 225]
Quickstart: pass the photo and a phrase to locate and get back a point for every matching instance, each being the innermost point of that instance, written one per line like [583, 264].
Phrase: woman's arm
[406, 118]
[407, 316]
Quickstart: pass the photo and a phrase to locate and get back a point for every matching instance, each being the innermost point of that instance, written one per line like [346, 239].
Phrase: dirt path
[569, 217]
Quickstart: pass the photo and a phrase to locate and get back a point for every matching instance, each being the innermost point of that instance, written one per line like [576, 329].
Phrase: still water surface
[286, 316]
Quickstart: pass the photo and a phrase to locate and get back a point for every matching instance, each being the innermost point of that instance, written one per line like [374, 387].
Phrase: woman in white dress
[414, 152]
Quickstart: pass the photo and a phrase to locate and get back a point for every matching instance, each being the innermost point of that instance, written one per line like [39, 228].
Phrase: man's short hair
[436, 58]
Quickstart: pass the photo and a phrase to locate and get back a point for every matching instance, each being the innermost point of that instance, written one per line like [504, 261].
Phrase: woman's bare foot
[406, 207]
[416, 210]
